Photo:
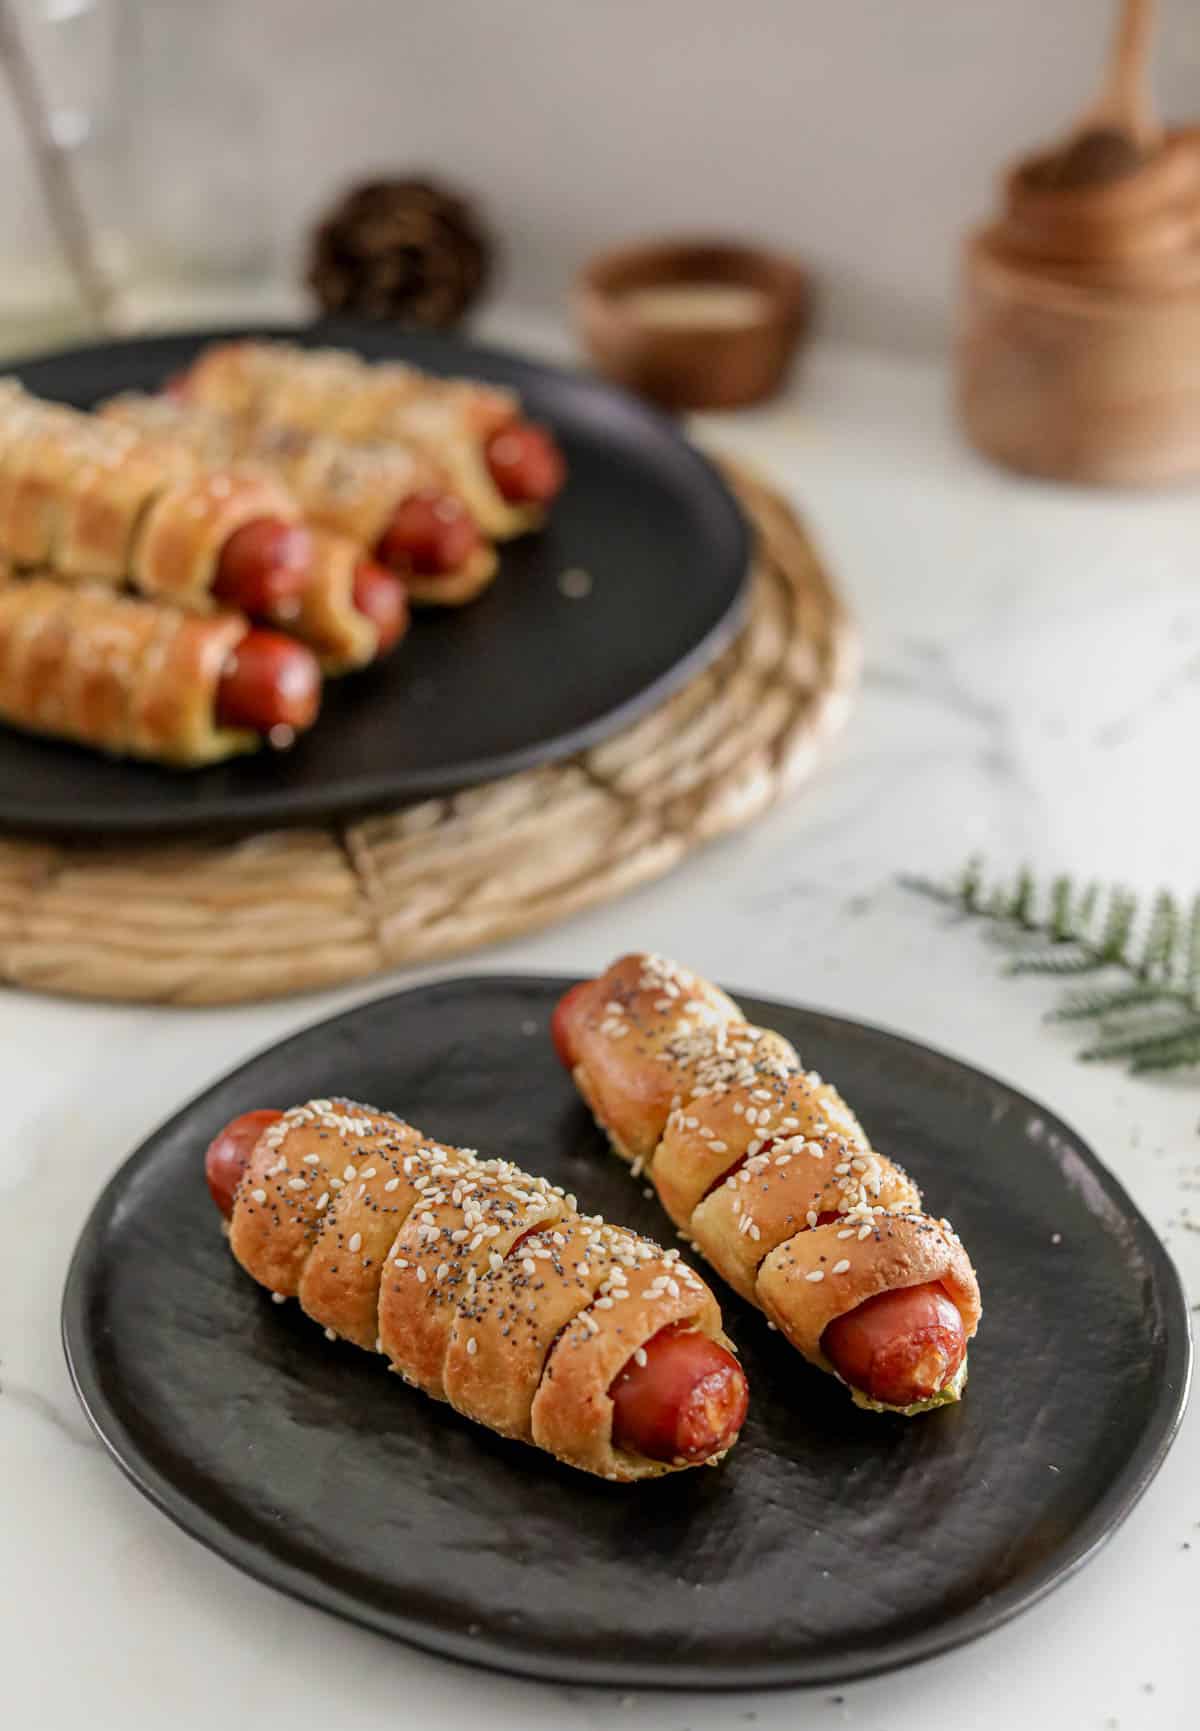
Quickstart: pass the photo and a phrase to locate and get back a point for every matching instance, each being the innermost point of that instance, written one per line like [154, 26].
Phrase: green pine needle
[1107, 1001]
[1061, 931]
[1068, 960]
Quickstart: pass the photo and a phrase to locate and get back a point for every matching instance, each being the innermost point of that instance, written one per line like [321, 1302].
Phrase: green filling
[945, 1397]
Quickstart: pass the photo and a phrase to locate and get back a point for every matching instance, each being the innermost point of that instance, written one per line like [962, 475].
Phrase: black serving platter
[525, 675]
[831, 1544]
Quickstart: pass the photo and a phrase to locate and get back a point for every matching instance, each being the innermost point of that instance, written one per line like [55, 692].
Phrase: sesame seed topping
[259, 1195]
[392, 1184]
[354, 1242]
[472, 1347]
[842, 1266]
[817, 1274]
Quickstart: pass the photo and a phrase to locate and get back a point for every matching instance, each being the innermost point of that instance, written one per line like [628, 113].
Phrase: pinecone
[399, 249]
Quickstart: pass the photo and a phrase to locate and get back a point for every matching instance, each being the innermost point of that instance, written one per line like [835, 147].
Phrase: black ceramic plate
[524, 675]
[831, 1544]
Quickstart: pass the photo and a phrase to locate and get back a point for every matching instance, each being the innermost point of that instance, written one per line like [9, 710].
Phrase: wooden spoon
[1116, 134]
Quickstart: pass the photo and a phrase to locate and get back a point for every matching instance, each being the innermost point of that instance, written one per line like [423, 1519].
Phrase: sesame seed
[312, 1159]
[350, 1172]
[297, 1183]
[472, 1347]
[817, 1274]
[330, 1335]
[422, 1276]
[639, 1357]
[842, 1266]
[392, 1184]
[279, 1298]
[259, 1195]
[811, 1217]
[371, 1172]
[354, 1242]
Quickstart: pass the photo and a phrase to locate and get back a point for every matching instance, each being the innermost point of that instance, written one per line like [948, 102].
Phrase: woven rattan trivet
[220, 922]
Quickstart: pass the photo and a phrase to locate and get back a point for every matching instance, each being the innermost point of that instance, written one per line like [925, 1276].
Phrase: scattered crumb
[575, 583]
[529, 1026]
[1056, 1238]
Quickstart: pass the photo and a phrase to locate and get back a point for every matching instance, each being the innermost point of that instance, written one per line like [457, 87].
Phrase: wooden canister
[1078, 351]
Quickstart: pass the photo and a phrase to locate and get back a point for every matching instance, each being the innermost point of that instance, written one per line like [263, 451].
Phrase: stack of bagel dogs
[766, 1171]
[483, 1286]
[245, 578]
[387, 499]
[505, 468]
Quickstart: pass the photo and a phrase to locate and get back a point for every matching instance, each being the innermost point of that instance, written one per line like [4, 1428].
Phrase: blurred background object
[1080, 348]
[64, 254]
[692, 324]
[408, 250]
[864, 139]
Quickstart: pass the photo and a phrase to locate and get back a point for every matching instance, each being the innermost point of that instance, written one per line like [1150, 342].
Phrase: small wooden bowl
[692, 324]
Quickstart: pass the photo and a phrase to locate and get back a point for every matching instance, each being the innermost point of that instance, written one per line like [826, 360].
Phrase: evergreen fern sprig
[1151, 1016]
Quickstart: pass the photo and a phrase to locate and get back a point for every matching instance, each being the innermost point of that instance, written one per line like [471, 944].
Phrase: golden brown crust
[455, 588]
[121, 675]
[324, 615]
[776, 1194]
[347, 489]
[704, 1139]
[640, 1045]
[337, 393]
[339, 1285]
[406, 1245]
[900, 1249]
[178, 550]
[752, 1153]
[471, 1212]
[92, 499]
[174, 701]
[572, 1412]
[296, 1170]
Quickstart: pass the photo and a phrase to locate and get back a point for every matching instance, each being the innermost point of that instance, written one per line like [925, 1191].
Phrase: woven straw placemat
[292, 910]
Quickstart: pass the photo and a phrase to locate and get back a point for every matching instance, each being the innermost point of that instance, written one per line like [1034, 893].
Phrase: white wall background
[863, 133]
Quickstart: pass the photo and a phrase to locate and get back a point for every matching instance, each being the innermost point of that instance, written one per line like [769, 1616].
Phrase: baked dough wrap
[751, 1154]
[336, 392]
[350, 490]
[88, 500]
[324, 614]
[125, 676]
[402, 1244]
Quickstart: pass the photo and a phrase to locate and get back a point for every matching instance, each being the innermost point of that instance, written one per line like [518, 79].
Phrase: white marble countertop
[1032, 689]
